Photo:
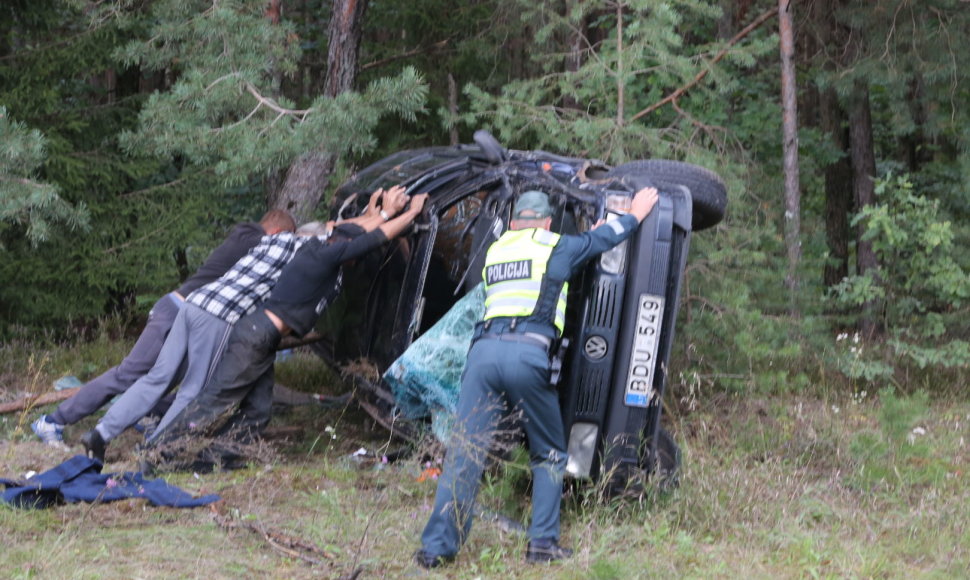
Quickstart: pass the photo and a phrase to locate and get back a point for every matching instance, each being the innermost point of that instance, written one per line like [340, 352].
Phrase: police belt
[533, 338]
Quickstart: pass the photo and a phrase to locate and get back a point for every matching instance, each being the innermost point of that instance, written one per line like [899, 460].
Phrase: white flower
[841, 337]
[835, 409]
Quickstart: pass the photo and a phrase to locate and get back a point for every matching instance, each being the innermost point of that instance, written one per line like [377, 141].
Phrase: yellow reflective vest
[515, 266]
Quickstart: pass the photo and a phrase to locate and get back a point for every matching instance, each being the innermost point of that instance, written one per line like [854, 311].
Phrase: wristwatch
[385, 215]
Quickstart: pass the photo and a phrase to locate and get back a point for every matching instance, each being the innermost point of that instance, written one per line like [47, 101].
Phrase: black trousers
[241, 387]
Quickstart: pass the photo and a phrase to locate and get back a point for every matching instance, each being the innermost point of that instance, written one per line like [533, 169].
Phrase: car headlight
[581, 449]
[613, 261]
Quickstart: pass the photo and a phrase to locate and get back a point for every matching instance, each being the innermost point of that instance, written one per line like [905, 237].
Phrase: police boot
[546, 550]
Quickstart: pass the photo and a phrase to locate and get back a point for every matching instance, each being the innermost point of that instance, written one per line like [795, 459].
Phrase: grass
[777, 487]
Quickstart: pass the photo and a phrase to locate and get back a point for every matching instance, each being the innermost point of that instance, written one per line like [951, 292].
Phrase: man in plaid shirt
[200, 331]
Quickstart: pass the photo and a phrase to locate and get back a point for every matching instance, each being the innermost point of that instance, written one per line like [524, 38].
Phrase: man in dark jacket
[93, 395]
[243, 379]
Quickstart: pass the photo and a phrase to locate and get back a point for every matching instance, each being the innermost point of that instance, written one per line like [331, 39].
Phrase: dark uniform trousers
[499, 377]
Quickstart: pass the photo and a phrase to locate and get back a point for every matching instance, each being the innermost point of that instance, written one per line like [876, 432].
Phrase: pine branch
[270, 103]
[422, 49]
[700, 76]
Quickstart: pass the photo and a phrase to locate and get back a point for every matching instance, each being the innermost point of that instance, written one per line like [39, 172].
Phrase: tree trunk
[863, 171]
[343, 57]
[789, 104]
[913, 149]
[833, 123]
[838, 191]
[576, 44]
[726, 26]
[309, 176]
[453, 109]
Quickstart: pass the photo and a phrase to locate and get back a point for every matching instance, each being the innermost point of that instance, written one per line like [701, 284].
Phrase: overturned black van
[622, 308]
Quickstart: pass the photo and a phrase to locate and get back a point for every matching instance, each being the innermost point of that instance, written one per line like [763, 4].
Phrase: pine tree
[223, 111]
[25, 201]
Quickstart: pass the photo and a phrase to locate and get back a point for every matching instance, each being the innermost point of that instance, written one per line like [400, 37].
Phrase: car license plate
[643, 357]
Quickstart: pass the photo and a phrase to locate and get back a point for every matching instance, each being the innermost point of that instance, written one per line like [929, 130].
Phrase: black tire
[660, 465]
[706, 187]
[664, 467]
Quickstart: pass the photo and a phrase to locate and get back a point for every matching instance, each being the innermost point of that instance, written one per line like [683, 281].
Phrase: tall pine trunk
[863, 172]
[834, 123]
[789, 103]
[309, 176]
[838, 191]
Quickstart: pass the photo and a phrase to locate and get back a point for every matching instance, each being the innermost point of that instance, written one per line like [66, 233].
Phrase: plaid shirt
[249, 281]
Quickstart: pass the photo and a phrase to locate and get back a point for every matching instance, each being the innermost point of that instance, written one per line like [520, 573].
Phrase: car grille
[604, 306]
[592, 395]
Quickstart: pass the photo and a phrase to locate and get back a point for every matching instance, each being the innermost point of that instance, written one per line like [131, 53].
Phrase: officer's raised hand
[643, 202]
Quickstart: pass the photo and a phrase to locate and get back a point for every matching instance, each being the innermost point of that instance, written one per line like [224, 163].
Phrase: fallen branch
[36, 400]
[289, 545]
[700, 76]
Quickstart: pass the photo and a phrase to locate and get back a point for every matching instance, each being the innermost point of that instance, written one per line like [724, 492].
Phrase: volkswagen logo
[595, 347]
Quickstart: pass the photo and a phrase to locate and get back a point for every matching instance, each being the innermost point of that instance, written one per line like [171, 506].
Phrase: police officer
[526, 273]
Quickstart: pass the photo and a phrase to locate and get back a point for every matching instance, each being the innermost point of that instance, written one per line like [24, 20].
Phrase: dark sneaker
[429, 561]
[94, 445]
[50, 433]
[546, 550]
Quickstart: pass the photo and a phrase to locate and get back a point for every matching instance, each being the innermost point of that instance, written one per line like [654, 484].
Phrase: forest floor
[784, 486]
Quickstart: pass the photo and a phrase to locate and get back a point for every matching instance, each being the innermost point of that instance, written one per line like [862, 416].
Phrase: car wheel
[664, 467]
[706, 188]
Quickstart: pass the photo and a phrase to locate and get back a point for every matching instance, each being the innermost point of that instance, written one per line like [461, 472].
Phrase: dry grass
[770, 488]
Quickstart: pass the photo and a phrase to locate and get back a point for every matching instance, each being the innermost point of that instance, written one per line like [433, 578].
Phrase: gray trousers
[197, 339]
[93, 395]
[239, 391]
[500, 376]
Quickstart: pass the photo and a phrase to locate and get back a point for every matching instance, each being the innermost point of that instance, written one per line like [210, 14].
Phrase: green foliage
[910, 56]
[163, 176]
[52, 76]
[24, 201]
[919, 288]
[626, 65]
[225, 110]
[506, 488]
[897, 454]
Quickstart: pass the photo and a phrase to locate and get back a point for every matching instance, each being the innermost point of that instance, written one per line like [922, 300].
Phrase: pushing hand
[643, 202]
[394, 200]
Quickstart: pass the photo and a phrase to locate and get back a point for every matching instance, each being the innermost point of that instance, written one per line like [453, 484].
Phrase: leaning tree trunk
[793, 243]
[863, 171]
[309, 176]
